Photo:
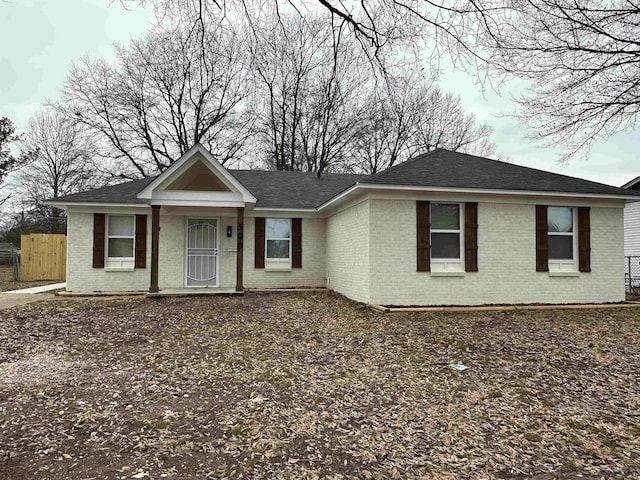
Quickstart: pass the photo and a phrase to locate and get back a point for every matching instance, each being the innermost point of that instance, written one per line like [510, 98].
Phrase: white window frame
[574, 245]
[459, 231]
[266, 238]
[133, 237]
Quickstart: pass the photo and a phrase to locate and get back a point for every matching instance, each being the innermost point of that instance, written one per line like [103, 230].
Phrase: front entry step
[189, 292]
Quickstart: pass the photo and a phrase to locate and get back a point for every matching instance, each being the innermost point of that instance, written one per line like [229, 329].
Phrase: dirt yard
[309, 386]
[7, 281]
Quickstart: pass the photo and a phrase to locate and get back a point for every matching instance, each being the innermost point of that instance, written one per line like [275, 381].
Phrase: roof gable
[198, 178]
[197, 157]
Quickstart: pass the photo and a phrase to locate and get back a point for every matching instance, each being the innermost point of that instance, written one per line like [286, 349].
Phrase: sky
[39, 39]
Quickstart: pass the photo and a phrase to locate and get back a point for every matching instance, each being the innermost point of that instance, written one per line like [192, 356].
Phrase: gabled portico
[198, 189]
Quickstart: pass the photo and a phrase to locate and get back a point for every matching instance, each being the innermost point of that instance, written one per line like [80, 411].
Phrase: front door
[202, 252]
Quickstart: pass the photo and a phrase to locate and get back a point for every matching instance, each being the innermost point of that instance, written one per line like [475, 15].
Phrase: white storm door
[202, 252]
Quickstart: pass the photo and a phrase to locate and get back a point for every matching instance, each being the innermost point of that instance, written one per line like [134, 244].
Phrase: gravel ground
[310, 385]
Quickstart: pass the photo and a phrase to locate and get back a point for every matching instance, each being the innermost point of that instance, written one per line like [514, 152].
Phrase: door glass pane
[120, 247]
[277, 248]
[561, 247]
[445, 245]
[121, 226]
[278, 228]
[560, 219]
[445, 216]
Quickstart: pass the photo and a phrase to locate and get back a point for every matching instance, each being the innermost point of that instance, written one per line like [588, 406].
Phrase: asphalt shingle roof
[293, 189]
[121, 193]
[443, 168]
[273, 189]
[440, 168]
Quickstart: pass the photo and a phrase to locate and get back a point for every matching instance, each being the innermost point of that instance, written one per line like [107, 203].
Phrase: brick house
[443, 228]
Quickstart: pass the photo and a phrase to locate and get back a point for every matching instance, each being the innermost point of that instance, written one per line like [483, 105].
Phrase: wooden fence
[43, 256]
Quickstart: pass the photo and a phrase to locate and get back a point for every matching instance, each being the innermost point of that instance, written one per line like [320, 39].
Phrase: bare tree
[389, 121]
[450, 26]
[61, 163]
[9, 159]
[442, 123]
[410, 115]
[583, 59]
[335, 106]
[164, 93]
[283, 56]
[310, 79]
[581, 56]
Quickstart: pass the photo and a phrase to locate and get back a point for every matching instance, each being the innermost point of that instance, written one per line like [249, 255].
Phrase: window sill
[278, 268]
[564, 274]
[448, 274]
[119, 269]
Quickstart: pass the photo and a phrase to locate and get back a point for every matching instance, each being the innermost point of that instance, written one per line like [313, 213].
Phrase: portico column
[239, 249]
[155, 239]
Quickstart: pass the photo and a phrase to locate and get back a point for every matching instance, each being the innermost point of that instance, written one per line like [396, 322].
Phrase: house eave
[281, 209]
[476, 191]
[197, 203]
[67, 205]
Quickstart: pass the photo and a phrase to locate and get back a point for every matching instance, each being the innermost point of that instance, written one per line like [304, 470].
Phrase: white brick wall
[348, 252]
[171, 251]
[171, 272]
[82, 277]
[368, 253]
[228, 253]
[312, 273]
[506, 260]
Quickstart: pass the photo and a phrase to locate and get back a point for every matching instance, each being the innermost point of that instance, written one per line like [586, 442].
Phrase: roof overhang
[416, 188]
[67, 205]
[237, 195]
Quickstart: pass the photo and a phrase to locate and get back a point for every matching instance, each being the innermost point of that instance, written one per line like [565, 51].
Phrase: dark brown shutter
[471, 237]
[424, 234]
[141, 241]
[542, 239]
[98, 240]
[296, 247]
[584, 239]
[259, 242]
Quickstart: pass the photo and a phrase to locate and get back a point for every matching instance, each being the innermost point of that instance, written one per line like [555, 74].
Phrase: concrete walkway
[14, 300]
[41, 289]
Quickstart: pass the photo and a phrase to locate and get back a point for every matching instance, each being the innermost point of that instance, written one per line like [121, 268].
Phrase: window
[278, 238]
[445, 232]
[560, 226]
[120, 236]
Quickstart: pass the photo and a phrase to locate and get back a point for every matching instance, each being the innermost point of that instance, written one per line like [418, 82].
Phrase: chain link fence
[10, 257]
[632, 273]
